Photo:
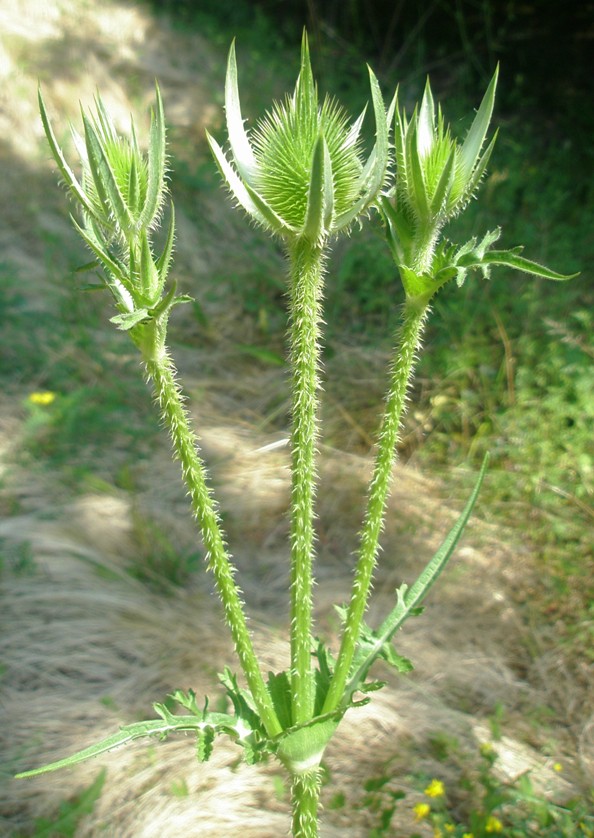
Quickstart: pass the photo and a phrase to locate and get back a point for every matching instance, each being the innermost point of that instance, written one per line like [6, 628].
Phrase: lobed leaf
[105, 180]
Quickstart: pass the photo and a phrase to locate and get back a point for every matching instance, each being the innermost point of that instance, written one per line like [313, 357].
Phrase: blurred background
[507, 365]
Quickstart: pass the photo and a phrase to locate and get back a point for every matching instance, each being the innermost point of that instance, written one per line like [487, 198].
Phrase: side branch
[185, 443]
[414, 316]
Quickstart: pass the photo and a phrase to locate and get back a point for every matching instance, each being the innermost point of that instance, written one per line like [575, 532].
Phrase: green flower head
[436, 176]
[120, 194]
[301, 173]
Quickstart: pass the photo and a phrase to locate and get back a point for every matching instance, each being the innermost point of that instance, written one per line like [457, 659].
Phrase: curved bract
[301, 174]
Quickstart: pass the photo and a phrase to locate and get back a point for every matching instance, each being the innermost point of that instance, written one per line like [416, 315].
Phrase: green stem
[306, 267]
[162, 371]
[305, 797]
[413, 319]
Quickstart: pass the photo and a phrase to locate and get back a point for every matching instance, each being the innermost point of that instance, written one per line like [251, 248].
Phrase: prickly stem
[414, 315]
[163, 375]
[306, 267]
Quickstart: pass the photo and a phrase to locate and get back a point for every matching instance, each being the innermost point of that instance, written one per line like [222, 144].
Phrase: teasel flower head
[436, 176]
[121, 194]
[300, 173]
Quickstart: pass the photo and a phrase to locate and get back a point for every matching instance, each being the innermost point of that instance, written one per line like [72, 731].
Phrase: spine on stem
[305, 792]
[162, 372]
[414, 315]
[306, 266]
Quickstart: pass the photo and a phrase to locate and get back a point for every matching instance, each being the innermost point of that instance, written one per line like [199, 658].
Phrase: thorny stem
[306, 267]
[162, 371]
[414, 315]
[305, 797]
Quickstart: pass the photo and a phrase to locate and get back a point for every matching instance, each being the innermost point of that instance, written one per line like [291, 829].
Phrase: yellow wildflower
[468, 835]
[421, 810]
[43, 397]
[435, 789]
[493, 825]
[449, 827]
[557, 767]
[437, 833]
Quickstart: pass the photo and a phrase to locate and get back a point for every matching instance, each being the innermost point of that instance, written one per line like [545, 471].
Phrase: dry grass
[86, 647]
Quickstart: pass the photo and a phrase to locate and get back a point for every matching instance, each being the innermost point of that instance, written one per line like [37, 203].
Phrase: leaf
[415, 172]
[511, 259]
[65, 170]
[129, 319]
[72, 811]
[157, 162]
[409, 600]
[473, 143]
[251, 202]
[128, 733]
[279, 687]
[426, 123]
[238, 139]
[105, 180]
[320, 198]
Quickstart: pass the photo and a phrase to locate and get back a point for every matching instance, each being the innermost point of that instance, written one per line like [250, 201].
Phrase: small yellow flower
[43, 398]
[557, 767]
[421, 810]
[437, 833]
[468, 835]
[449, 827]
[493, 825]
[435, 789]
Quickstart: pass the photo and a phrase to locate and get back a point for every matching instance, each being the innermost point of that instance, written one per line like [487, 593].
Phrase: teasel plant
[302, 175]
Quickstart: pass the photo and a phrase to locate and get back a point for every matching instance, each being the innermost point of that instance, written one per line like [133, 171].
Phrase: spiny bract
[302, 174]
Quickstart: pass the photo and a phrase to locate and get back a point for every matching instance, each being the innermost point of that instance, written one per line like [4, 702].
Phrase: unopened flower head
[121, 194]
[301, 173]
[436, 175]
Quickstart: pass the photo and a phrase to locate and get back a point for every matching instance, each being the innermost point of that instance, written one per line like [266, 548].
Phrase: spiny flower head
[301, 174]
[436, 176]
[121, 194]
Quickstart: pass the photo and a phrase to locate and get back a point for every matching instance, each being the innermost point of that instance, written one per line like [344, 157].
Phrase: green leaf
[65, 170]
[415, 173]
[510, 259]
[279, 687]
[247, 198]
[305, 95]
[473, 143]
[374, 172]
[238, 139]
[129, 319]
[444, 185]
[157, 162]
[409, 600]
[149, 275]
[105, 180]
[164, 260]
[128, 733]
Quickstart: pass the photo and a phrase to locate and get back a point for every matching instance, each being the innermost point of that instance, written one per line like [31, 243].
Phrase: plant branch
[163, 374]
[413, 320]
[306, 267]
